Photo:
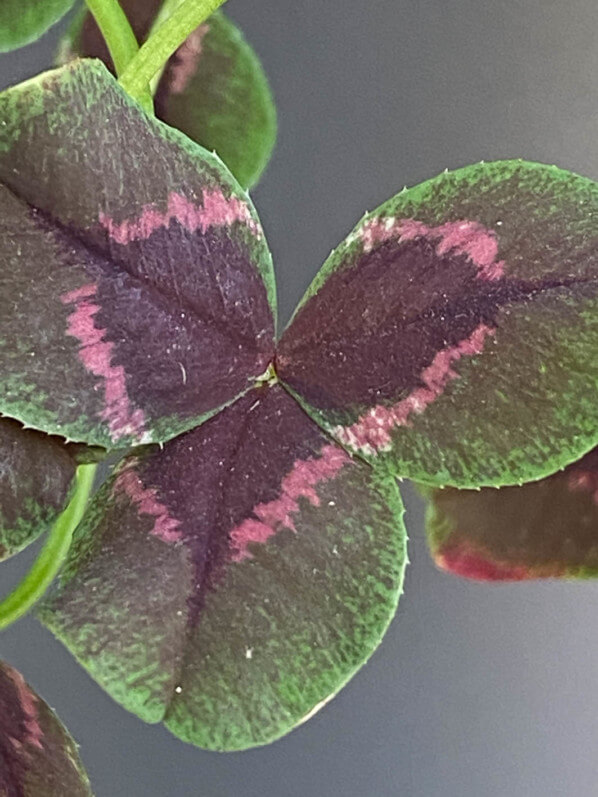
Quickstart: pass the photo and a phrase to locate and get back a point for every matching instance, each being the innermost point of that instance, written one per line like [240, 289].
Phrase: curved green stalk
[52, 555]
[165, 11]
[163, 43]
[120, 39]
[116, 30]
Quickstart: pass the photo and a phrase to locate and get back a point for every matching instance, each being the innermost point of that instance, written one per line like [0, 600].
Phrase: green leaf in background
[544, 529]
[38, 757]
[36, 477]
[452, 337]
[213, 89]
[136, 286]
[23, 21]
[231, 583]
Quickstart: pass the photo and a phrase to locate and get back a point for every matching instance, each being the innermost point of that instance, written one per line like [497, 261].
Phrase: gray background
[476, 691]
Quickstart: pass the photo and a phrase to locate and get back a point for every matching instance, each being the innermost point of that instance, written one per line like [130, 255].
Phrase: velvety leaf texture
[144, 260]
[38, 758]
[213, 89]
[452, 337]
[230, 583]
[23, 21]
[36, 477]
[544, 529]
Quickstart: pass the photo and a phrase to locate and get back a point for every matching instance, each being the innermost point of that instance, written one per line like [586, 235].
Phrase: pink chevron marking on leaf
[186, 60]
[146, 500]
[28, 702]
[85, 292]
[460, 560]
[469, 238]
[300, 482]
[216, 211]
[372, 432]
[96, 355]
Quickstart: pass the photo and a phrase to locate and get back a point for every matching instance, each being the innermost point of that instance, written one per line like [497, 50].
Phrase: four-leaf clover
[245, 559]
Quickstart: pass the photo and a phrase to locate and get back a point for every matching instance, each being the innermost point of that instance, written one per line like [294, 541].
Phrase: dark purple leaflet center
[210, 312]
[391, 324]
[235, 481]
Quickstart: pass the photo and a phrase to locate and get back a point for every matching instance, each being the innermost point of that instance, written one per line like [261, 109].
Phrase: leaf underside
[232, 582]
[544, 529]
[144, 260]
[213, 89]
[36, 478]
[38, 757]
[452, 337]
[24, 21]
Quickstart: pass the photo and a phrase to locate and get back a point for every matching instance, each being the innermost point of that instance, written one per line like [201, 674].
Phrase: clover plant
[246, 554]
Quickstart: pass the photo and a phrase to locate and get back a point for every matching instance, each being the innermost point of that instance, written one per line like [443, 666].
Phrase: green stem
[165, 11]
[120, 39]
[52, 555]
[163, 43]
[116, 30]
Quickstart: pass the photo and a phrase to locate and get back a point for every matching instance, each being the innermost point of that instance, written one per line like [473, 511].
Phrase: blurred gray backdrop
[476, 691]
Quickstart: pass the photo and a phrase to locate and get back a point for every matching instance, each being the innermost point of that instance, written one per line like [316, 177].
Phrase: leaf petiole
[165, 11]
[120, 40]
[52, 555]
[163, 43]
[116, 30]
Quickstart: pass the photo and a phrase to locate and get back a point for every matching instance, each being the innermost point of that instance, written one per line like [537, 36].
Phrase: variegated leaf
[232, 582]
[36, 477]
[544, 529]
[135, 282]
[38, 757]
[452, 337]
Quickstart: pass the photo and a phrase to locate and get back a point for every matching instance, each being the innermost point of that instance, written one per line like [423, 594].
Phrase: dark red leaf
[544, 529]
[36, 477]
[38, 758]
